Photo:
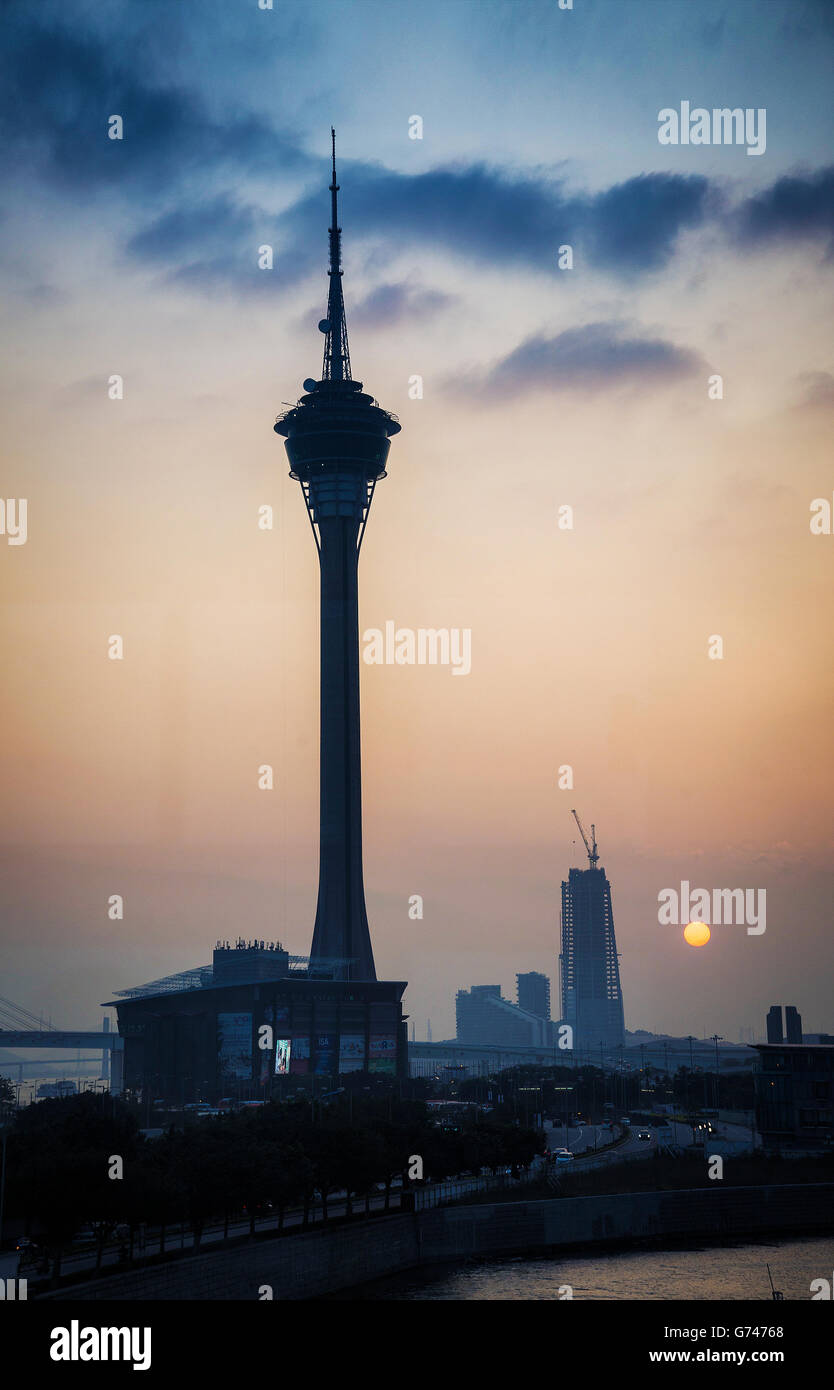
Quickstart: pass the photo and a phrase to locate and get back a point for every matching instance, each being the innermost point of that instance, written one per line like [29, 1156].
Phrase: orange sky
[589, 647]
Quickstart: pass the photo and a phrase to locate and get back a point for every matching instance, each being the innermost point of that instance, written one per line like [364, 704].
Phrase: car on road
[644, 1134]
[565, 1157]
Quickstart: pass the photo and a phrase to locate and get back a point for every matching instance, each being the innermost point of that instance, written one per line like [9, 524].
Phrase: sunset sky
[541, 388]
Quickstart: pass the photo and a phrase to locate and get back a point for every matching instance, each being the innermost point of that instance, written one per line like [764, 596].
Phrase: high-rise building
[592, 1000]
[337, 442]
[793, 1024]
[533, 993]
[485, 1019]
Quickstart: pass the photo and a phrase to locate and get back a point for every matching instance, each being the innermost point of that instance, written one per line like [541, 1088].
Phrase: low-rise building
[794, 1090]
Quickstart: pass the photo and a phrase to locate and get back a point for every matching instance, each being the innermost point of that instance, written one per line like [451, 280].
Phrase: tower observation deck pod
[337, 440]
[337, 435]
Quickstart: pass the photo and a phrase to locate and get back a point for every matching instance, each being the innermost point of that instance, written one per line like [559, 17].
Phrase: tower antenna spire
[336, 366]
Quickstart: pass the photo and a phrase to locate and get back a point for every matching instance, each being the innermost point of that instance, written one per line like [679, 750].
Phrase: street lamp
[691, 1040]
[717, 1038]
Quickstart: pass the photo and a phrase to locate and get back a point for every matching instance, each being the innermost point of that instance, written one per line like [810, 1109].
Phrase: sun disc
[696, 933]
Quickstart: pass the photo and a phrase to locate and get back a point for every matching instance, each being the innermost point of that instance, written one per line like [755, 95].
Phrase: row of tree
[81, 1161]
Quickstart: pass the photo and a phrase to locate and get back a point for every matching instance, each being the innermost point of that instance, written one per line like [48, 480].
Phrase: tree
[291, 1179]
[327, 1158]
[363, 1157]
[60, 1152]
[204, 1168]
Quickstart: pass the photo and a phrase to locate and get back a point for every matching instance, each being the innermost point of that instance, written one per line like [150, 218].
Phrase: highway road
[580, 1140]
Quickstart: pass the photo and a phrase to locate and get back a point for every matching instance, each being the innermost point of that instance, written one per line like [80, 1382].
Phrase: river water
[697, 1272]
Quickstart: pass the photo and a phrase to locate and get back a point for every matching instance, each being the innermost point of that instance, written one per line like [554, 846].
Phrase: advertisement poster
[234, 1046]
[382, 1053]
[326, 1053]
[351, 1052]
[300, 1054]
[283, 1052]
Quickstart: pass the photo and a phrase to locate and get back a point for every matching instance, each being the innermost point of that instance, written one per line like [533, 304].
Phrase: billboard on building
[382, 1053]
[234, 1047]
[351, 1052]
[283, 1054]
[300, 1054]
[327, 1054]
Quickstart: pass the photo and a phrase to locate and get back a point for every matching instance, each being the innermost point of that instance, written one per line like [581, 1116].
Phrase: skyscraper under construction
[592, 1000]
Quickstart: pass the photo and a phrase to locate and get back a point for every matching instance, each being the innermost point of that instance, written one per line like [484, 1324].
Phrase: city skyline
[542, 388]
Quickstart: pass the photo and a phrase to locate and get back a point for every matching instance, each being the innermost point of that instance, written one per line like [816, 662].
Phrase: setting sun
[696, 933]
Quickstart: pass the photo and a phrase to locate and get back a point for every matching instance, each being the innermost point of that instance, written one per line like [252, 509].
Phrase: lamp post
[717, 1038]
[691, 1040]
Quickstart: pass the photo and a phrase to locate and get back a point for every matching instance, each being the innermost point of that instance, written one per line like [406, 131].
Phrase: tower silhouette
[337, 442]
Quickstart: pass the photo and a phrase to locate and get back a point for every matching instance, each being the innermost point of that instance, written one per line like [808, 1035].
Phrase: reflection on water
[699, 1273]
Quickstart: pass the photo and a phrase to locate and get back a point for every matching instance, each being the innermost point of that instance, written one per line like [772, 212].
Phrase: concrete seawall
[458, 1232]
[320, 1262]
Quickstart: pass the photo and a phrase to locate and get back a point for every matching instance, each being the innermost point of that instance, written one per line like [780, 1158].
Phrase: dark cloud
[797, 207]
[487, 215]
[808, 19]
[592, 357]
[634, 226]
[59, 85]
[203, 227]
[477, 213]
[58, 89]
[389, 305]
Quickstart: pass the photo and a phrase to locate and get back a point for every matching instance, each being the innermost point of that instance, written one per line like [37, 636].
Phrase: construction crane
[593, 855]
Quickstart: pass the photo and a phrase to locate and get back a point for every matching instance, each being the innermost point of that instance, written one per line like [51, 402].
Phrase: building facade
[792, 1031]
[592, 1001]
[485, 1019]
[224, 1035]
[794, 1095]
[533, 993]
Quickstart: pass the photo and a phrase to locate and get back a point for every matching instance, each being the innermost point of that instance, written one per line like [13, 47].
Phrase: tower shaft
[341, 927]
[337, 442]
